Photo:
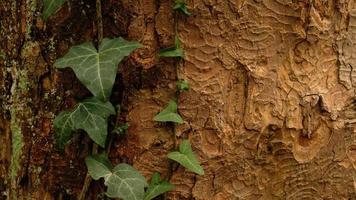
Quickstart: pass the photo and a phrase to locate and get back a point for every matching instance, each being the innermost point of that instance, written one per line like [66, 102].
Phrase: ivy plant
[183, 85]
[90, 115]
[97, 69]
[169, 114]
[50, 7]
[122, 181]
[187, 158]
[181, 6]
[157, 187]
[175, 51]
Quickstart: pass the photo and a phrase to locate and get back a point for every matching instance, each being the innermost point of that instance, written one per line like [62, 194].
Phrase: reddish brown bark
[271, 110]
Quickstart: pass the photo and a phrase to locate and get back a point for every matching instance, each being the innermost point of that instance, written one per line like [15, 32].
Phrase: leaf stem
[176, 63]
[87, 179]
[112, 136]
[99, 24]
[176, 35]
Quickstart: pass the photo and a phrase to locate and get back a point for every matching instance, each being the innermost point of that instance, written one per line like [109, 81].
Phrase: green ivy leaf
[174, 51]
[126, 183]
[182, 7]
[156, 178]
[63, 126]
[187, 158]
[169, 114]
[171, 52]
[97, 69]
[157, 187]
[121, 129]
[90, 115]
[123, 181]
[183, 85]
[50, 7]
[99, 166]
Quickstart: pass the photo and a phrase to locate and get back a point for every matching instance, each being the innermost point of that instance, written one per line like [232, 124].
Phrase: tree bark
[271, 109]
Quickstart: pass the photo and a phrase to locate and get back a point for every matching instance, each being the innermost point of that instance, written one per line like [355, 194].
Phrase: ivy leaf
[98, 166]
[169, 114]
[157, 187]
[156, 179]
[63, 126]
[174, 51]
[97, 69]
[181, 6]
[123, 181]
[183, 85]
[171, 52]
[96, 107]
[121, 129]
[90, 115]
[187, 158]
[126, 183]
[50, 7]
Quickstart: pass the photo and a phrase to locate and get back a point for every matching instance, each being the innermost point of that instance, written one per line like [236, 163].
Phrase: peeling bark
[271, 111]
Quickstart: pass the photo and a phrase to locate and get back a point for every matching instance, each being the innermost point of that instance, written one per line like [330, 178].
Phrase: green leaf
[99, 166]
[187, 158]
[97, 69]
[121, 129]
[171, 52]
[126, 183]
[156, 178]
[96, 107]
[174, 51]
[157, 187]
[90, 115]
[123, 181]
[183, 85]
[63, 126]
[182, 7]
[50, 7]
[169, 114]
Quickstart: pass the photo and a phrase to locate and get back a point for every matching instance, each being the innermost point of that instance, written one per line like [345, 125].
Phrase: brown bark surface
[271, 111]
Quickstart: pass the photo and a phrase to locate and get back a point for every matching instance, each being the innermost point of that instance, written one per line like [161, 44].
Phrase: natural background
[271, 112]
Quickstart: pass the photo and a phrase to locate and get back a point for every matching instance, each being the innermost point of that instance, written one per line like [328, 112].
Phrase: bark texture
[271, 111]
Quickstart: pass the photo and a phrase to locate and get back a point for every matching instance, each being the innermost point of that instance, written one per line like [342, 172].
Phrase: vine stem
[87, 179]
[176, 64]
[176, 35]
[99, 21]
[99, 29]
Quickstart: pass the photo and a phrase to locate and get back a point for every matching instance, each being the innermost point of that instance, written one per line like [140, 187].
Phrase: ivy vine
[96, 69]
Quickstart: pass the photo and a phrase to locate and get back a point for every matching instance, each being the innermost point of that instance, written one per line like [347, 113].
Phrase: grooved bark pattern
[271, 112]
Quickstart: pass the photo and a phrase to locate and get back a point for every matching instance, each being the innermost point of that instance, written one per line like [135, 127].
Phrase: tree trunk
[271, 110]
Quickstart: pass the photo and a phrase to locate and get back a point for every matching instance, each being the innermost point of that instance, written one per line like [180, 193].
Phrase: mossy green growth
[23, 81]
[2, 55]
[16, 110]
[17, 144]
